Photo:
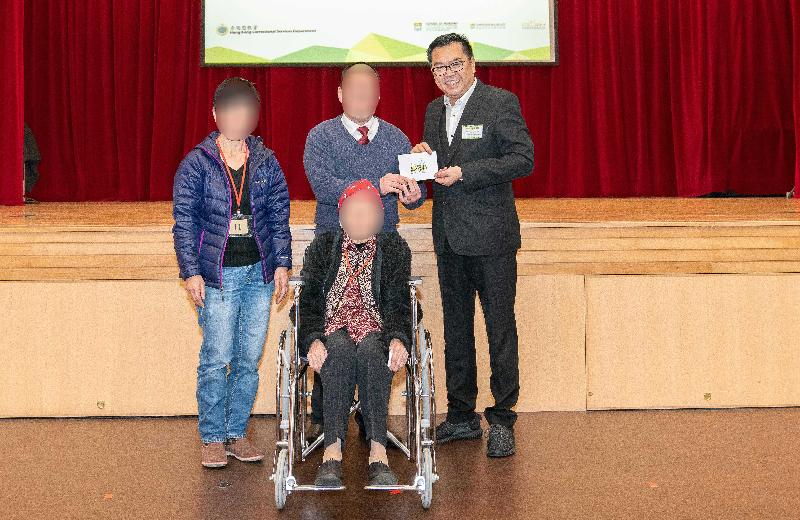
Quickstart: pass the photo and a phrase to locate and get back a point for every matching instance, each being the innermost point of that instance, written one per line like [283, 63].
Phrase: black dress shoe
[501, 441]
[329, 474]
[381, 475]
[448, 431]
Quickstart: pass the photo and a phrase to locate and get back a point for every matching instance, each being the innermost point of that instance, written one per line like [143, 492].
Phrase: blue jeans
[234, 322]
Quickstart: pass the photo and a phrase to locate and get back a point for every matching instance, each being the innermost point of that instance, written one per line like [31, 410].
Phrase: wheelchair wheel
[281, 469]
[427, 474]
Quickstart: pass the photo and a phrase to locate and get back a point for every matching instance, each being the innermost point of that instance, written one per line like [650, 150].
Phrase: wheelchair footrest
[318, 488]
[391, 488]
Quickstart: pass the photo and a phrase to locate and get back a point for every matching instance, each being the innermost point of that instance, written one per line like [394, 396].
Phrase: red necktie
[364, 131]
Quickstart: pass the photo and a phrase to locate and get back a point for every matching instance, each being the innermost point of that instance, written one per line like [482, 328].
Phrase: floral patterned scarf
[350, 303]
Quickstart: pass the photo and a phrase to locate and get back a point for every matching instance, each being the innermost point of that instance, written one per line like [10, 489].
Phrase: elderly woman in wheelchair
[355, 325]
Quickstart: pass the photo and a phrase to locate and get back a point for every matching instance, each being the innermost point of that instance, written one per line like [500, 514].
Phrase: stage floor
[531, 211]
[709, 464]
[133, 241]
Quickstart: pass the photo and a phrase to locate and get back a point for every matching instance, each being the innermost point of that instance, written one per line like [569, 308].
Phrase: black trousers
[349, 365]
[316, 400]
[494, 279]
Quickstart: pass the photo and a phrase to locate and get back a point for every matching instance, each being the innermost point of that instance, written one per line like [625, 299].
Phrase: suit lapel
[441, 133]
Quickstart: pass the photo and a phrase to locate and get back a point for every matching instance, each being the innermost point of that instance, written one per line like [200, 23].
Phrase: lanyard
[357, 272]
[236, 194]
[350, 278]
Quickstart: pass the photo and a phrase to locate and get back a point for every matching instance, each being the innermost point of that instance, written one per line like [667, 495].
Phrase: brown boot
[243, 450]
[214, 455]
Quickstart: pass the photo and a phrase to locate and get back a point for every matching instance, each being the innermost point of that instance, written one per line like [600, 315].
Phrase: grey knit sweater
[333, 159]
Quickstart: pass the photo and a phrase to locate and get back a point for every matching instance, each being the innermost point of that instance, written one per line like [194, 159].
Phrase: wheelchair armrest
[415, 281]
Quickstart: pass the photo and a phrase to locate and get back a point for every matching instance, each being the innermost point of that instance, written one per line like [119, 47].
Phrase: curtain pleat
[649, 98]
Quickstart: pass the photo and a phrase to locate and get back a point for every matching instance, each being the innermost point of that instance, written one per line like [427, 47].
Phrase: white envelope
[418, 166]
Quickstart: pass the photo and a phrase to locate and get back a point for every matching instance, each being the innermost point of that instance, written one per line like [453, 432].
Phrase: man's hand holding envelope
[445, 176]
[418, 166]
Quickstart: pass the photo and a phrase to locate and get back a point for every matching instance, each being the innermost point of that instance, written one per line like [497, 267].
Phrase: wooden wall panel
[130, 348]
[693, 341]
[624, 302]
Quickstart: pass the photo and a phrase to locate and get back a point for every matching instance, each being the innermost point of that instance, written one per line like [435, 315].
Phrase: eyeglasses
[441, 70]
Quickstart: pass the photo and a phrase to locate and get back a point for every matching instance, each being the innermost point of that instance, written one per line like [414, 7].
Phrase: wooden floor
[133, 241]
[531, 211]
[700, 464]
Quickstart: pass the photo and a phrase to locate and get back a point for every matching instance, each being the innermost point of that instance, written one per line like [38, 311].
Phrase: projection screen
[322, 32]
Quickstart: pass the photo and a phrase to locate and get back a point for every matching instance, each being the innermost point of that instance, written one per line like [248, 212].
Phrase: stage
[622, 303]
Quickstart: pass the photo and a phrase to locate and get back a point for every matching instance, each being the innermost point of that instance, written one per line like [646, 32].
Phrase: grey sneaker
[329, 474]
[501, 441]
[448, 431]
[380, 475]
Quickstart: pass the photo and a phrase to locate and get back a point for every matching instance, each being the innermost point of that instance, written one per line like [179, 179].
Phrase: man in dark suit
[482, 145]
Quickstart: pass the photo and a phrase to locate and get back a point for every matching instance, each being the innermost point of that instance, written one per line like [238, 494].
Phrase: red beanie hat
[360, 185]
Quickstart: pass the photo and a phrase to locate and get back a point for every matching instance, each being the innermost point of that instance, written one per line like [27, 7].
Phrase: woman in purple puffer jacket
[234, 249]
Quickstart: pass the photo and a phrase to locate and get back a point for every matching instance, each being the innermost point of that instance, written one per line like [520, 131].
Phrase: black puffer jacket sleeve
[395, 298]
[312, 297]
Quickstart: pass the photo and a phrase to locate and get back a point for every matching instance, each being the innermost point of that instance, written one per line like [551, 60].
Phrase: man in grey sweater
[356, 145]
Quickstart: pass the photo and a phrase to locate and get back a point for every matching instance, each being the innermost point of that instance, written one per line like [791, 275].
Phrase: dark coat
[477, 216]
[31, 159]
[202, 209]
[391, 269]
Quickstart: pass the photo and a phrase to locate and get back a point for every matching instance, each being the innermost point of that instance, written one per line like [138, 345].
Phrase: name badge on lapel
[471, 131]
[240, 225]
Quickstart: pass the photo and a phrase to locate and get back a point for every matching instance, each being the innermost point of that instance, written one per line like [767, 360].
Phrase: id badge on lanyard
[241, 225]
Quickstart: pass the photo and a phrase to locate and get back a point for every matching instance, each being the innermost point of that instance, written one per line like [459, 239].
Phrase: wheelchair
[292, 395]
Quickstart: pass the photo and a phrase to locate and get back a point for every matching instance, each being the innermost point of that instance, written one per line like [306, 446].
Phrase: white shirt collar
[460, 102]
[352, 127]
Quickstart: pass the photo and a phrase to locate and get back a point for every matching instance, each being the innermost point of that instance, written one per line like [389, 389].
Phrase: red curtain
[11, 92]
[650, 98]
[796, 66]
